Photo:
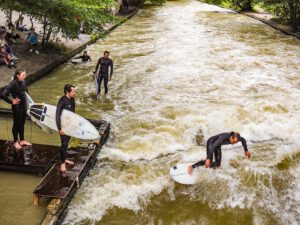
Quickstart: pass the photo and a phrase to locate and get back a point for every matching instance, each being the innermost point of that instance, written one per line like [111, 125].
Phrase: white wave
[104, 192]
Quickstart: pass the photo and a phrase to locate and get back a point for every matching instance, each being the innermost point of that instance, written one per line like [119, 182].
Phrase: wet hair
[68, 88]
[17, 73]
[106, 52]
[85, 52]
[235, 135]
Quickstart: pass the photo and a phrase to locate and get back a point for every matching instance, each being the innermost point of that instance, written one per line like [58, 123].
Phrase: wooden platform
[35, 159]
[58, 185]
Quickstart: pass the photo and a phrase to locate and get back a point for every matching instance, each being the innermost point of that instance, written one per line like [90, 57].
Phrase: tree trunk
[44, 32]
[31, 20]
[49, 34]
[248, 6]
[293, 15]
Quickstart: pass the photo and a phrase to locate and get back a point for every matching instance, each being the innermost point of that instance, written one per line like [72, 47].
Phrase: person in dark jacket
[104, 70]
[66, 102]
[213, 149]
[15, 94]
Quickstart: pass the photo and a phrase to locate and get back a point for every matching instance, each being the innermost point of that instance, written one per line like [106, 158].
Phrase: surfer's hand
[16, 101]
[61, 132]
[207, 163]
[247, 154]
[190, 170]
[109, 79]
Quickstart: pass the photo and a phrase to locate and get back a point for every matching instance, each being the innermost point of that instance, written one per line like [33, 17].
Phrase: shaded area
[36, 158]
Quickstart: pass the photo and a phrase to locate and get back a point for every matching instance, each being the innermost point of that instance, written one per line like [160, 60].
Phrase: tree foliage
[63, 16]
[286, 10]
[242, 5]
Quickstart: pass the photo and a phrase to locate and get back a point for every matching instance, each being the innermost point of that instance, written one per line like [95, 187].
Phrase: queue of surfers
[15, 95]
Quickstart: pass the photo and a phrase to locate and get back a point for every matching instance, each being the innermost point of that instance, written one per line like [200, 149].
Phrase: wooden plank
[58, 185]
[35, 158]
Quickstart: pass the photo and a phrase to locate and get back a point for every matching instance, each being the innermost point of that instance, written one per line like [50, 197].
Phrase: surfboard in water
[180, 174]
[95, 78]
[76, 61]
[72, 124]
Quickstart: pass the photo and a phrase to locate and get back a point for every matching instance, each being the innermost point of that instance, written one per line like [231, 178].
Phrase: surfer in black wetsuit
[17, 89]
[66, 102]
[85, 57]
[213, 149]
[102, 70]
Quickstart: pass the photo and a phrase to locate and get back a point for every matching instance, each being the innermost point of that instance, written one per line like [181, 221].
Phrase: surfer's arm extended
[79, 57]
[59, 109]
[244, 143]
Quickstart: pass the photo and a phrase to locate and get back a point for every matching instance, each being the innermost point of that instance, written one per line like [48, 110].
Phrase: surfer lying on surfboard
[84, 58]
[66, 102]
[213, 149]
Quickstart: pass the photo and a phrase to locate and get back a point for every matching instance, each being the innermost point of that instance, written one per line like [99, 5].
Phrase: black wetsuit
[84, 58]
[213, 149]
[67, 104]
[104, 64]
[17, 89]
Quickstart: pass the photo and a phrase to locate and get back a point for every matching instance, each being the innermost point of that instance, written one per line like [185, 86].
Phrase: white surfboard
[95, 77]
[72, 124]
[36, 121]
[180, 174]
[76, 61]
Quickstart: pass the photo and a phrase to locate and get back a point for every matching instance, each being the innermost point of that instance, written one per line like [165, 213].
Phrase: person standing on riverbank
[213, 149]
[102, 72]
[66, 102]
[17, 89]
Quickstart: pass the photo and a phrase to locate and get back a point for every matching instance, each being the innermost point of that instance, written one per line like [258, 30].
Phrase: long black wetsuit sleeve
[97, 66]
[59, 109]
[111, 68]
[244, 143]
[5, 93]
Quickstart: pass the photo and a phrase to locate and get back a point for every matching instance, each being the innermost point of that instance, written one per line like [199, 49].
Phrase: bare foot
[69, 162]
[63, 167]
[190, 170]
[17, 145]
[25, 143]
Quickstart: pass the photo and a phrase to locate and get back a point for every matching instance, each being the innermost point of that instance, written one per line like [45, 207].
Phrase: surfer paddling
[85, 57]
[213, 149]
[66, 102]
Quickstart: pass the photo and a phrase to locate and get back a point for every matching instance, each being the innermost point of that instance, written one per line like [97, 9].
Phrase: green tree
[286, 10]
[242, 5]
[64, 16]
